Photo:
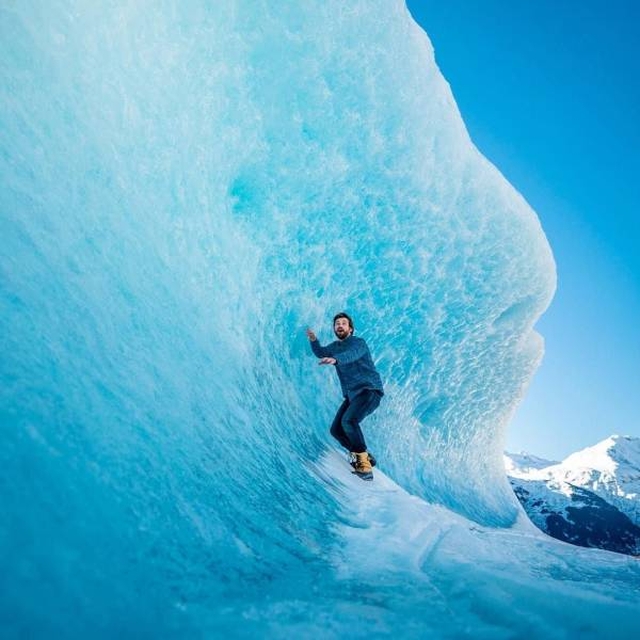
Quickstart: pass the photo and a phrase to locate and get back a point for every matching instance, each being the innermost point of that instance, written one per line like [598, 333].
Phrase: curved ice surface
[186, 186]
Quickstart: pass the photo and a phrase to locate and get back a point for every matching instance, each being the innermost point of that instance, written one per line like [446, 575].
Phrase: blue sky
[550, 93]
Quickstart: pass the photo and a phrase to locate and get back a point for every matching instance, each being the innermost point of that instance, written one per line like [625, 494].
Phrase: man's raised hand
[311, 335]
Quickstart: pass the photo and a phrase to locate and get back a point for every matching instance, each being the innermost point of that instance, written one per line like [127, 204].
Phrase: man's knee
[349, 425]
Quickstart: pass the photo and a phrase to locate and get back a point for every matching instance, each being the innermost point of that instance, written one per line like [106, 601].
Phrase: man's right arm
[319, 350]
[316, 347]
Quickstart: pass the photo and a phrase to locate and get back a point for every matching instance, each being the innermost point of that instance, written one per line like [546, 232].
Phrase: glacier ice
[186, 186]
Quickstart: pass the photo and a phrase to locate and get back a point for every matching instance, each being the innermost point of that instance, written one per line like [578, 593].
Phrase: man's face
[342, 329]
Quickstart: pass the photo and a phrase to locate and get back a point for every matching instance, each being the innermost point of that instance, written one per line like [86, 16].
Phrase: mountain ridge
[590, 498]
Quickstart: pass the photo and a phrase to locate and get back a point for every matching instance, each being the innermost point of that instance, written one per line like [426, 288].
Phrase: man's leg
[360, 407]
[336, 427]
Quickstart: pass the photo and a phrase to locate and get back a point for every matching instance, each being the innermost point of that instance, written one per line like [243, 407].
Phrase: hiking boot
[362, 466]
[352, 459]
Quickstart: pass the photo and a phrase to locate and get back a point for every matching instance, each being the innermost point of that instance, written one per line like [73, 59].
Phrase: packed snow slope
[186, 186]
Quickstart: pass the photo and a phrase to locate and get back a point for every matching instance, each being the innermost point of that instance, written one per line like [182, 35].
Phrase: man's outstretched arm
[343, 352]
[318, 349]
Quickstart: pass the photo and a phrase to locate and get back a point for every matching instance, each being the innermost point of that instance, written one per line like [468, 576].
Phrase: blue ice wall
[185, 187]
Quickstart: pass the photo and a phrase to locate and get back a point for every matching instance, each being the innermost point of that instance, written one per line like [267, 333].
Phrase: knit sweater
[354, 365]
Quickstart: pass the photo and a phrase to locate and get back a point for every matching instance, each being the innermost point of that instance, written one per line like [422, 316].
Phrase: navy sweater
[354, 365]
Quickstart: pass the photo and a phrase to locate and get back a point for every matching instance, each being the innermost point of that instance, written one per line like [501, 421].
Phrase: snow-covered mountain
[592, 498]
[521, 464]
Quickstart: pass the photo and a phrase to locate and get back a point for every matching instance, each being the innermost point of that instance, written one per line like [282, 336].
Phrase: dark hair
[342, 314]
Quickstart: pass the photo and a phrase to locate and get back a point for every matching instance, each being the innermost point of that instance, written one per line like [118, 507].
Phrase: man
[361, 388]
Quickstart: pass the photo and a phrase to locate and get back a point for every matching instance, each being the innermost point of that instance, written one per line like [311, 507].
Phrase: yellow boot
[362, 466]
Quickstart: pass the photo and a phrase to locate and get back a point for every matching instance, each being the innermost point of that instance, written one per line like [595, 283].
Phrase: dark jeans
[346, 425]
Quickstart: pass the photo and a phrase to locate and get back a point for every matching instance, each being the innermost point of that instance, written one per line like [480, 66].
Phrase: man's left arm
[349, 351]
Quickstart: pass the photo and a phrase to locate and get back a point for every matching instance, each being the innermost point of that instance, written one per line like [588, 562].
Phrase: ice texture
[185, 187]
